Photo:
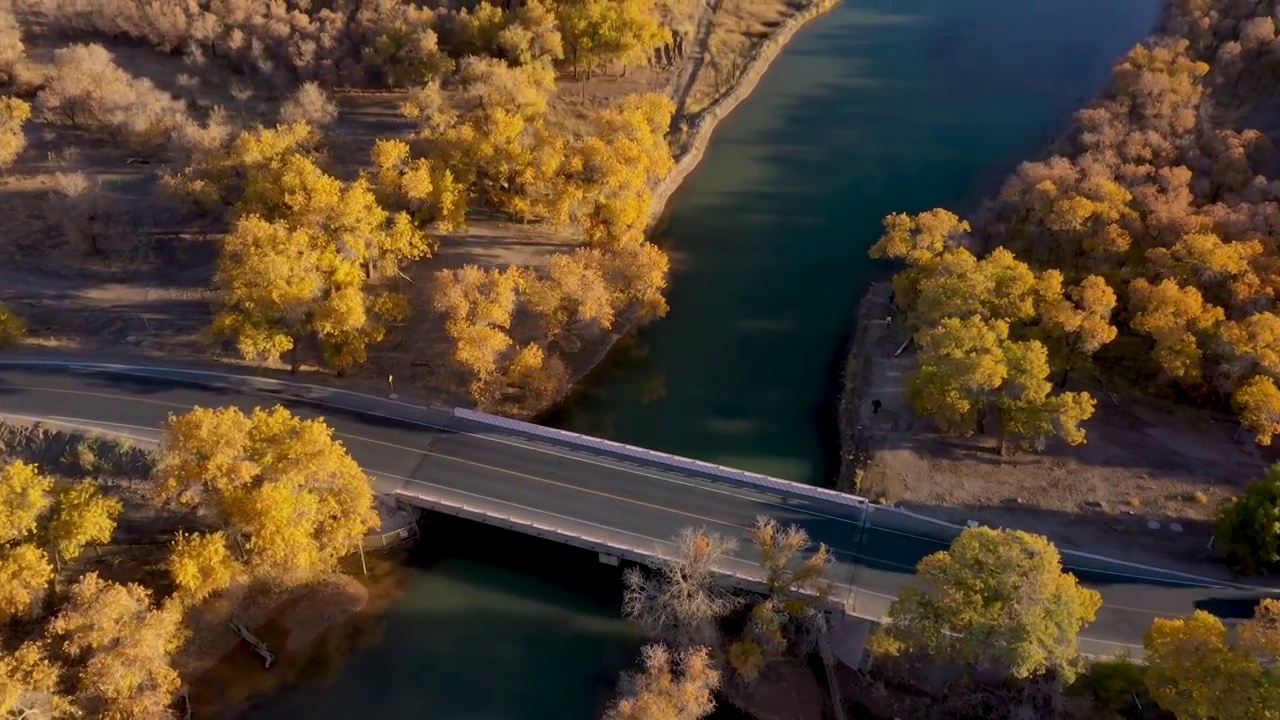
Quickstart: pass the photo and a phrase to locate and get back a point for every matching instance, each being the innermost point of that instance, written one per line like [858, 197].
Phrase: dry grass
[739, 26]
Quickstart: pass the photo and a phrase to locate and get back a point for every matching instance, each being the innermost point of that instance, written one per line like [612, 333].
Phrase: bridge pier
[608, 559]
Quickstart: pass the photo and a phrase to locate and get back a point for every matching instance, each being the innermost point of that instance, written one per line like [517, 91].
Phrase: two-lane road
[419, 451]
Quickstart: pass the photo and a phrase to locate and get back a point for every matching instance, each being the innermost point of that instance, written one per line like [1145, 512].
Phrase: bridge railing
[661, 458]
[659, 551]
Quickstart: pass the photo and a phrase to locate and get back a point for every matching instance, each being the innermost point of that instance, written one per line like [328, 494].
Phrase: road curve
[411, 449]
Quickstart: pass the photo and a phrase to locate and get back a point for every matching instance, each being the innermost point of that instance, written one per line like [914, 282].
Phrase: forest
[1142, 253]
[120, 568]
[324, 185]
[524, 116]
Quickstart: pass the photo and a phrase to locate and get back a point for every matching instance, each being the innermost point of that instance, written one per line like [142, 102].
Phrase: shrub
[310, 104]
[88, 90]
[1248, 532]
[13, 113]
[11, 48]
[1111, 688]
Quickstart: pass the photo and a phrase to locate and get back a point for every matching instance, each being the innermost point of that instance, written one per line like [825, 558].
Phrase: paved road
[427, 452]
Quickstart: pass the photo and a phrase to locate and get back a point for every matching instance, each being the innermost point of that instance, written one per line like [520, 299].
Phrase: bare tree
[683, 599]
[668, 688]
[190, 139]
[791, 617]
[88, 90]
[309, 104]
[791, 570]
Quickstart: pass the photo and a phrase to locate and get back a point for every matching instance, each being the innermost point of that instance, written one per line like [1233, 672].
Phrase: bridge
[618, 500]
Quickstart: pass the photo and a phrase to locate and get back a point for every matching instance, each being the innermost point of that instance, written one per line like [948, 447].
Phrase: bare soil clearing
[142, 280]
[1145, 487]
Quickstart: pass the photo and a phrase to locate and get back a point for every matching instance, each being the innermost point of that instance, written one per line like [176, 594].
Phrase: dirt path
[692, 68]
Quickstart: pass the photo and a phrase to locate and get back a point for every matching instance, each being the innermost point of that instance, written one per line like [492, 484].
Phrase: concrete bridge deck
[595, 494]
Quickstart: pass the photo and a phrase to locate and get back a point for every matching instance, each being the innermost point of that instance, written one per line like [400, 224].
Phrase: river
[879, 106]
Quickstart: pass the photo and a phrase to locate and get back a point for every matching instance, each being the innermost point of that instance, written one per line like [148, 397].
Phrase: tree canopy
[1154, 225]
[280, 486]
[1248, 531]
[1197, 670]
[42, 524]
[126, 646]
[670, 686]
[997, 600]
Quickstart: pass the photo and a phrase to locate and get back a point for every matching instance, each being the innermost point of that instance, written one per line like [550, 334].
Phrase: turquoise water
[882, 106]
[877, 107]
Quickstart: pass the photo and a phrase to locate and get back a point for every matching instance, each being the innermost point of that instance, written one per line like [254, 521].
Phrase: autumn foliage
[42, 525]
[986, 327]
[313, 265]
[13, 114]
[1149, 239]
[997, 601]
[280, 487]
[375, 44]
[668, 687]
[1197, 668]
[106, 650]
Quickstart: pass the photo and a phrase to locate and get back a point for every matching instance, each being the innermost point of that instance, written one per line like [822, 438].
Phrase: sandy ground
[1145, 487]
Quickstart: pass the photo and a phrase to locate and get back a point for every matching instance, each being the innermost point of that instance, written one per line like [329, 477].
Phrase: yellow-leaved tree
[969, 364]
[478, 305]
[917, 240]
[1178, 320]
[33, 516]
[82, 516]
[572, 290]
[619, 163]
[497, 144]
[223, 175]
[124, 646]
[596, 32]
[1195, 670]
[790, 615]
[1257, 400]
[669, 687]
[13, 113]
[202, 564]
[25, 573]
[282, 487]
[30, 686]
[24, 497]
[306, 259]
[997, 600]
[427, 190]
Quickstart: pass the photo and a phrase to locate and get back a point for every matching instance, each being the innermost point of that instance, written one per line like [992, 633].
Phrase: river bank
[696, 133]
[1136, 490]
